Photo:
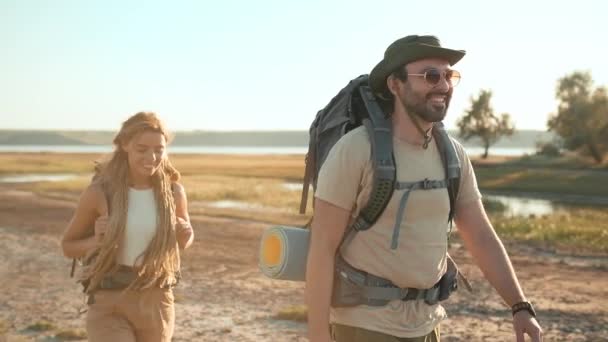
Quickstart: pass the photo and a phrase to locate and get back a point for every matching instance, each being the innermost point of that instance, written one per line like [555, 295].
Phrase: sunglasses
[433, 77]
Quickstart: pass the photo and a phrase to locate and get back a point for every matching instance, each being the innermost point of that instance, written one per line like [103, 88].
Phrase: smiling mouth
[437, 99]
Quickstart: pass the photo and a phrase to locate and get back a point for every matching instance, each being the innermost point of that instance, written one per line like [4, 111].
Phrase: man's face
[419, 96]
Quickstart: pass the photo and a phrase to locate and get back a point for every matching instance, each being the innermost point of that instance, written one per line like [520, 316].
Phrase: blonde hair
[160, 262]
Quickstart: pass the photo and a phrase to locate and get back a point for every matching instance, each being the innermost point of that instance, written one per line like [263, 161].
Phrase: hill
[522, 138]
[37, 138]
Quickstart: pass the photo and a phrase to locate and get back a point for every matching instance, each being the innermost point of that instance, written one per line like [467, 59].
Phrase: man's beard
[425, 109]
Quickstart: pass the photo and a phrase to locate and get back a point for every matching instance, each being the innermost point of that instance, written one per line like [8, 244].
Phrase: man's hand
[524, 323]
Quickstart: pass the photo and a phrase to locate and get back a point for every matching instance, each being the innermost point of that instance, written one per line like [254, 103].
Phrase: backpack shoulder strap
[381, 139]
[451, 164]
[107, 196]
[380, 134]
[310, 162]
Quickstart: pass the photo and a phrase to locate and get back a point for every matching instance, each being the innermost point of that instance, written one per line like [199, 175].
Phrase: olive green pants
[345, 333]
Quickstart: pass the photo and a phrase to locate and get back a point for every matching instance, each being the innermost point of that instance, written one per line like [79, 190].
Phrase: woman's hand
[101, 226]
[183, 232]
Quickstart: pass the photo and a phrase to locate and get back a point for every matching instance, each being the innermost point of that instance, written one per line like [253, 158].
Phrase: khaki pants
[134, 316]
[345, 333]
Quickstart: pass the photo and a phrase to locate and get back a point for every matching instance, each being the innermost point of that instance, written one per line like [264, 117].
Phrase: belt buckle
[404, 292]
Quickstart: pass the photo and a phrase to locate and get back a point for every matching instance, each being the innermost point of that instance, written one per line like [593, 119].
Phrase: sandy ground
[224, 297]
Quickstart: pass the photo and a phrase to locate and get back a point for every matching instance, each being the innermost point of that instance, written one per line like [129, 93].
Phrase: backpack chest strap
[425, 184]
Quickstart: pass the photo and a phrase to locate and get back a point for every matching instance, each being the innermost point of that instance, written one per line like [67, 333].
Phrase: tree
[480, 121]
[582, 114]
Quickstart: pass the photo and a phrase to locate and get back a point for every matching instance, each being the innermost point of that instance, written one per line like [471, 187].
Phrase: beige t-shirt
[419, 259]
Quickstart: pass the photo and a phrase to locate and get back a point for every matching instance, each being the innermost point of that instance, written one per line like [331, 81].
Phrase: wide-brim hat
[409, 49]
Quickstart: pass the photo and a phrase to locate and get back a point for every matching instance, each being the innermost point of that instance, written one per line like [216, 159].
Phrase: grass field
[258, 184]
[578, 231]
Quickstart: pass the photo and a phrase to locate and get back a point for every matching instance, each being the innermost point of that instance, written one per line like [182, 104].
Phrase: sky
[271, 65]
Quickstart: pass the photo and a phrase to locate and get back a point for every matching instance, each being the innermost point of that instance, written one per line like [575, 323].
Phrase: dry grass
[71, 335]
[3, 327]
[20, 163]
[278, 218]
[297, 313]
[42, 325]
[74, 185]
[261, 191]
[287, 167]
[262, 166]
[528, 174]
[16, 338]
[258, 183]
[258, 180]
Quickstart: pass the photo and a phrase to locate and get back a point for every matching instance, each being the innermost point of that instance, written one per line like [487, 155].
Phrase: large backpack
[353, 106]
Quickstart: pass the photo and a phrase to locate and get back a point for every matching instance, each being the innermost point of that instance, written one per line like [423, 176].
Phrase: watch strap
[521, 306]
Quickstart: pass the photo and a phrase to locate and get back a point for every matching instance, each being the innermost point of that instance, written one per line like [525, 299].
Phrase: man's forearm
[319, 283]
[491, 257]
[327, 229]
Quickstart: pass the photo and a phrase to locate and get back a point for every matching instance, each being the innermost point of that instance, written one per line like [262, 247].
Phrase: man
[406, 245]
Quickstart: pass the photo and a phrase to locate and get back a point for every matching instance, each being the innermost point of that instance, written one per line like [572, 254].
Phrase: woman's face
[145, 153]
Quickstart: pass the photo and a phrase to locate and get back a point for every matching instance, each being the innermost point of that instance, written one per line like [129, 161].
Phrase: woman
[130, 223]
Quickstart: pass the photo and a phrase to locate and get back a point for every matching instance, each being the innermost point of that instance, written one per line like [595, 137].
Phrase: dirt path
[224, 298]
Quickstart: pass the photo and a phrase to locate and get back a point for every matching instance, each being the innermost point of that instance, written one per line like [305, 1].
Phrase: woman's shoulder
[93, 190]
[94, 196]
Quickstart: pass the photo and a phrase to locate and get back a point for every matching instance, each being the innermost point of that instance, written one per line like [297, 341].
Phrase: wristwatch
[517, 307]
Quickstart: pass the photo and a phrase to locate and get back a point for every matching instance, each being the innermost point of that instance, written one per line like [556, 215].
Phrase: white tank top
[140, 228]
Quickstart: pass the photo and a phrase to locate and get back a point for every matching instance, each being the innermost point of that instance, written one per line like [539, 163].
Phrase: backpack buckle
[426, 184]
[431, 296]
[360, 224]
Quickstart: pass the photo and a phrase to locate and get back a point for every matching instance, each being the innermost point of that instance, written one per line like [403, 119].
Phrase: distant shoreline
[230, 150]
[257, 139]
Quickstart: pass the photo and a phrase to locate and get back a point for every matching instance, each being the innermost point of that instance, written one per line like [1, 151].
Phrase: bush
[493, 206]
[548, 149]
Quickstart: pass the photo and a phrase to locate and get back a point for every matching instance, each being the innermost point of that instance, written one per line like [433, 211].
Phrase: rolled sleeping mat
[283, 253]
